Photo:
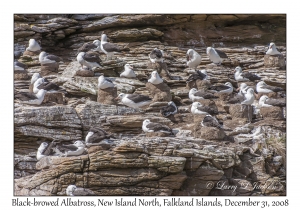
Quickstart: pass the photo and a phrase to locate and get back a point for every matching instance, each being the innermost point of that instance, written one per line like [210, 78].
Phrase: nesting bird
[104, 83]
[168, 110]
[210, 121]
[198, 108]
[108, 48]
[70, 190]
[128, 72]
[262, 87]
[155, 78]
[33, 46]
[35, 77]
[202, 75]
[194, 94]
[226, 88]
[265, 101]
[42, 83]
[134, 100]
[193, 58]
[31, 98]
[45, 150]
[156, 55]
[96, 135]
[216, 56]
[78, 148]
[272, 50]
[244, 76]
[95, 46]
[45, 58]
[90, 60]
[149, 127]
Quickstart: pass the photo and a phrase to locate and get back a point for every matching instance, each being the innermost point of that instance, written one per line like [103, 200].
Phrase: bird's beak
[131, 67]
[187, 57]
[238, 89]
[118, 98]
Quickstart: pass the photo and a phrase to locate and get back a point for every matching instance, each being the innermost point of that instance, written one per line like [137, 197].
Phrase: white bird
[108, 48]
[272, 50]
[134, 100]
[90, 60]
[194, 94]
[193, 58]
[40, 151]
[33, 46]
[155, 78]
[70, 190]
[45, 58]
[216, 56]
[262, 87]
[265, 101]
[34, 77]
[104, 83]
[75, 149]
[249, 97]
[226, 88]
[128, 72]
[244, 76]
[198, 108]
[149, 127]
[156, 55]
[42, 83]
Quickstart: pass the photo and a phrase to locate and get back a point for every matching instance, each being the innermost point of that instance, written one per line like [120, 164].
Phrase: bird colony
[208, 101]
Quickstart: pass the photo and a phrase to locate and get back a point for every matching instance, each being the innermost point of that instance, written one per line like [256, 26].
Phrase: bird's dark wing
[17, 54]
[195, 76]
[138, 98]
[64, 148]
[48, 86]
[108, 80]
[219, 87]
[87, 47]
[208, 109]
[92, 57]
[276, 102]
[54, 57]
[211, 122]
[167, 110]
[25, 96]
[22, 65]
[221, 54]
[109, 47]
[273, 88]
[250, 76]
[205, 95]
[158, 127]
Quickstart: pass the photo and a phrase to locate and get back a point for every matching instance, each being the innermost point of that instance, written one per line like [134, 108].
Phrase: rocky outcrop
[248, 151]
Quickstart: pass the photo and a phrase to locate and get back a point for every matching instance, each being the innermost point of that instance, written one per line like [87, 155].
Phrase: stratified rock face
[196, 160]
[107, 96]
[274, 61]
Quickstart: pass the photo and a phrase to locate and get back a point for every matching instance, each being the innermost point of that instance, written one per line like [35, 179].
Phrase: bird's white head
[70, 189]
[97, 43]
[128, 66]
[154, 74]
[272, 45]
[189, 54]
[208, 50]
[31, 41]
[243, 86]
[34, 77]
[228, 84]
[38, 82]
[103, 38]
[260, 84]
[121, 96]
[238, 69]
[263, 99]
[78, 144]
[250, 91]
[171, 103]
[43, 146]
[146, 122]
[203, 71]
[196, 104]
[193, 90]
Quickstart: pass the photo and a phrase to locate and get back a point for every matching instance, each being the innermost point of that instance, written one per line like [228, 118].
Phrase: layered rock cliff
[133, 163]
